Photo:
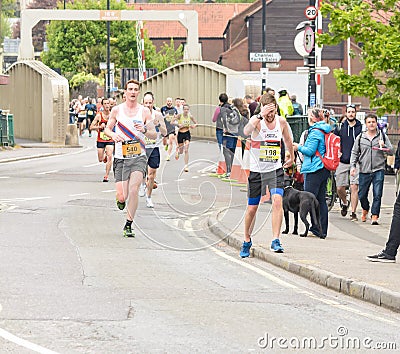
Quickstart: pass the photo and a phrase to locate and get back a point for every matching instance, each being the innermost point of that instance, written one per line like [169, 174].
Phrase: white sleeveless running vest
[265, 151]
[134, 144]
[153, 143]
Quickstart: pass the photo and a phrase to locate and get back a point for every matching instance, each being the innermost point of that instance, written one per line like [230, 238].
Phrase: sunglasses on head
[351, 106]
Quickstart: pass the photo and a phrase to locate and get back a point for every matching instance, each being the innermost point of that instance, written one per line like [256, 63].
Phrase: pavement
[338, 262]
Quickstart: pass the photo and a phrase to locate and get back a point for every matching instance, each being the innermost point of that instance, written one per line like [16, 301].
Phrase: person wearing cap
[284, 103]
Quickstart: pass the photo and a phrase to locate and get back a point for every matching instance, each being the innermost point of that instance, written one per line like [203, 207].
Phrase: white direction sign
[322, 70]
[103, 66]
[265, 57]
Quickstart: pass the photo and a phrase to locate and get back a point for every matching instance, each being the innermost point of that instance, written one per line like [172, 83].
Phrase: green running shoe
[128, 231]
[121, 206]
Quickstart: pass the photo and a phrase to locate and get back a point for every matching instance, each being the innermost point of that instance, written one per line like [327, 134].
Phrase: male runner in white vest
[267, 130]
[132, 122]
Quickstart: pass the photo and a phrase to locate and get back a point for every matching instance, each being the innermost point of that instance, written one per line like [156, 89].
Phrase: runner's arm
[161, 124]
[251, 125]
[96, 123]
[148, 129]
[288, 140]
[110, 126]
[194, 121]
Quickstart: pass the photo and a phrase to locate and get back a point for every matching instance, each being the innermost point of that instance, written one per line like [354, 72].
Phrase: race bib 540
[131, 148]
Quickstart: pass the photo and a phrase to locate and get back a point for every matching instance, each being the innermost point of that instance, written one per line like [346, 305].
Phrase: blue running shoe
[276, 246]
[245, 250]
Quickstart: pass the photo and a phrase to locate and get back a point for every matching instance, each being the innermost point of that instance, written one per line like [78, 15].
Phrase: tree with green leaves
[8, 9]
[375, 26]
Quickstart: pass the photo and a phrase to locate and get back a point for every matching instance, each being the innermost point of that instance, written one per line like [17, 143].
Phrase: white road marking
[78, 194]
[179, 180]
[93, 164]
[24, 343]
[108, 191]
[254, 269]
[195, 176]
[46, 172]
[4, 177]
[208, 168]
[281, 282]
[23, 199]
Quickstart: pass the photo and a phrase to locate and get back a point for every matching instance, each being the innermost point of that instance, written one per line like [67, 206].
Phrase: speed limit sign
[311, 12]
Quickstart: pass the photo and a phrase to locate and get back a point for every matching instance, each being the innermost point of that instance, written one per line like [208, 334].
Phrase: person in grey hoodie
[369, 151]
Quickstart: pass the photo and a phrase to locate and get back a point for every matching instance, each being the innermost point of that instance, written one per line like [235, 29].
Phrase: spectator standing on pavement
[267, 130]
[132, 123]
[389, 253]
[348, 132]
[315, 174]
[231, 118]
[285, 104]
[217, 118]
[104, 144]
[396, 168]
[72, 112]
[297, 108]
[251, 104]
[369, 152]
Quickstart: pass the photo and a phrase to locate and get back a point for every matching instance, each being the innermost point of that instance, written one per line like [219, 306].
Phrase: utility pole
[108, 89]
[264, 47]
[312, 85]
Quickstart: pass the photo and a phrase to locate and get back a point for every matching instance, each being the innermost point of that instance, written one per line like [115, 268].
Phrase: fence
[6, 129]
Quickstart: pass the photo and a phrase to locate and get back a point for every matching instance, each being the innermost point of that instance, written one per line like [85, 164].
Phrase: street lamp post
[312, 85]
[264, 47]
[108, 53]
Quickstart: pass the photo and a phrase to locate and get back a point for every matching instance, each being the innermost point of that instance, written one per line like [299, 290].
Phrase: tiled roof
[213, 18]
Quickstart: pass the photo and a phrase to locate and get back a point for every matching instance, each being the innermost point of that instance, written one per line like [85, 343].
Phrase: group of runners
[131, 134]
[129, 137]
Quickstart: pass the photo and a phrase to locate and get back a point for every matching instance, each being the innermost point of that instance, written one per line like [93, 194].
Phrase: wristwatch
[145, 130]
[259, 116]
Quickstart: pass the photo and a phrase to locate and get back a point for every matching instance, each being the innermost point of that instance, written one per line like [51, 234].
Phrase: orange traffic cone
[237, 162]
[245, 170]
[221, 168]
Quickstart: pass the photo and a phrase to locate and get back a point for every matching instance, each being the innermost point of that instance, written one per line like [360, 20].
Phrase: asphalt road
[70, 283]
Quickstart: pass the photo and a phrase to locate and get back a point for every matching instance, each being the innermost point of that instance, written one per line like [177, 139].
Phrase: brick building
[228, 32]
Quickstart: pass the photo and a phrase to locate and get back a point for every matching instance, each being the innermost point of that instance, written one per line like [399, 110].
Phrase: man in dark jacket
[388, 254]
[348, 133]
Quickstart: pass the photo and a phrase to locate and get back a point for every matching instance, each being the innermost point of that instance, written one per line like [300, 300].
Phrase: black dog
[300, 202]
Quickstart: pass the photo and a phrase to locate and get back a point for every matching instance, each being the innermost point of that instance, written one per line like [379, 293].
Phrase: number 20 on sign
[311, 12]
